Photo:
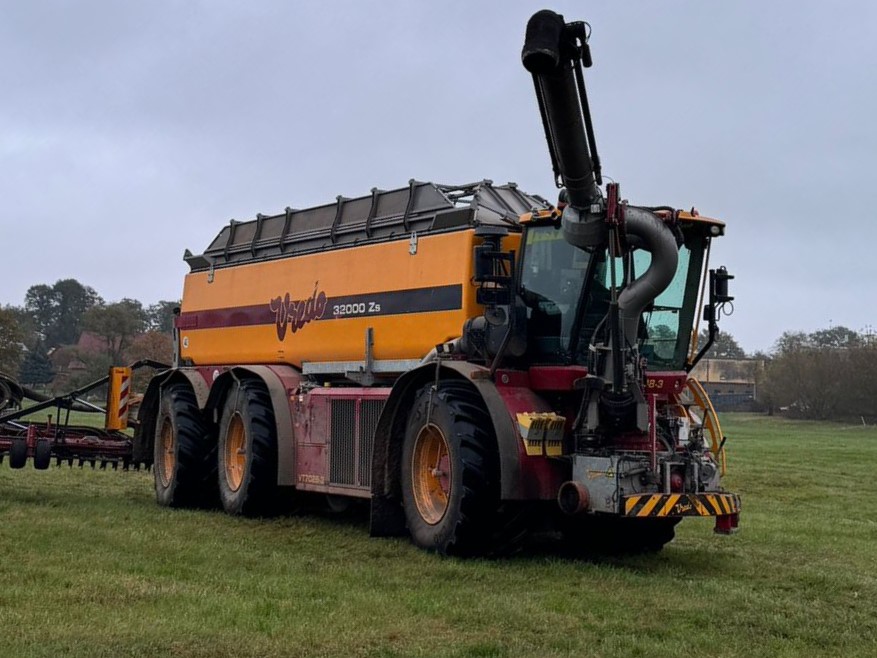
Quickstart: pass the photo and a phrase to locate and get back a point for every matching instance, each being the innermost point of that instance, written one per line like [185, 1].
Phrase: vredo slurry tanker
[470, 359]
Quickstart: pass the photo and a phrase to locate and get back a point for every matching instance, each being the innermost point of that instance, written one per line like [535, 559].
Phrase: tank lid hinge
[287, 222]
[372, 211]
[412, 194]
[339, 210]
[260, 218]
[232, 229]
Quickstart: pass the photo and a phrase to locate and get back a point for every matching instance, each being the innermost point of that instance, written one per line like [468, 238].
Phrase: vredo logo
[295, 314]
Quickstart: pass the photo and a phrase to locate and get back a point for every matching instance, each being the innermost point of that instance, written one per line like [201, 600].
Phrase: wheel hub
[235, 453]
[431, 474]
[167, 452]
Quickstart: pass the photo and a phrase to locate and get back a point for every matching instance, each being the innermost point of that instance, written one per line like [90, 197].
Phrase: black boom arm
[554, 53]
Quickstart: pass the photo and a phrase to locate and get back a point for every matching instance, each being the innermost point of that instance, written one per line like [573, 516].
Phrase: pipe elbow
[656, 238]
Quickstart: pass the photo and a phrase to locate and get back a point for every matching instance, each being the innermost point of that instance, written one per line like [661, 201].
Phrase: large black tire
[184, 453]
[42, 454]
[18, 453]
[248, 451]
[606, 535]
[451, 507]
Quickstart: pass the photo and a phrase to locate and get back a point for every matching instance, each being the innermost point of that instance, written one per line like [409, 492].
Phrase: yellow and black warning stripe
[702, 504]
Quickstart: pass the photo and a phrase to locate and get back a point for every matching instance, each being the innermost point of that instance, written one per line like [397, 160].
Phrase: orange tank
[379, 279]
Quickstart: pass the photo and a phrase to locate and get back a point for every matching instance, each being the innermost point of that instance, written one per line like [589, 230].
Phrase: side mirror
[719, 284]
[718, 294]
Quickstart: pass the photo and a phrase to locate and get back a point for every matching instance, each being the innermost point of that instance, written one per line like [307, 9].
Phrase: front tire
[248, 451]
[42, 455]
[184, 454]
[450, 481]
[18, 453]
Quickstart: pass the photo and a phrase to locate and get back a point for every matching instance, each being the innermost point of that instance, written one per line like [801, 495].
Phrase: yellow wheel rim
[431, 474]
[235, 452]
[167, 452]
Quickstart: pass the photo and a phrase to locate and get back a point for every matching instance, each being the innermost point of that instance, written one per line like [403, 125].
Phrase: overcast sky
[131, 131]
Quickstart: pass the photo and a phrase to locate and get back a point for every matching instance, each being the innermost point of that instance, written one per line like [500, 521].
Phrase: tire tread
[471, 425]
[257, 493]
[193, 482]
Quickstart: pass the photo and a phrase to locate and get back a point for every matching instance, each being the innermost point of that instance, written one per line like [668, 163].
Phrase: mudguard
[281, 381]
[387, 518]
[144, 433]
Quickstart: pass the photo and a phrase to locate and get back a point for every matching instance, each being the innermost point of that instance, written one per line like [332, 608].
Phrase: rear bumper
[678, 505]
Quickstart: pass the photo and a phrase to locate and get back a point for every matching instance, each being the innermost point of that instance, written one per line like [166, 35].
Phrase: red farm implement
[56, 438]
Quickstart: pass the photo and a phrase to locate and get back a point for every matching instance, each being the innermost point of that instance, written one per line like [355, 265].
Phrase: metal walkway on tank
[421, 207]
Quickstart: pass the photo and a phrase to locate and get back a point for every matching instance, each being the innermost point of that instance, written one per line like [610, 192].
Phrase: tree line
[828, 374]
[41, 341]
[825, 375]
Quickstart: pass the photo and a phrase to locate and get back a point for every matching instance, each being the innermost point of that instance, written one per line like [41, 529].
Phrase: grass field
[92, 567]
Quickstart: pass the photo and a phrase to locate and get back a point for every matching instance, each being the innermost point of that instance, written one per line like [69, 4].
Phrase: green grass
[92, 567]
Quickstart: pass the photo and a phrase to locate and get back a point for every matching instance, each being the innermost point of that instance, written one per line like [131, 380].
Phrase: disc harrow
[66, 443]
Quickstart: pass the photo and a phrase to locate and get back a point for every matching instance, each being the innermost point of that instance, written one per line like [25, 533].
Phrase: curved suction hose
[554, 53]
[10, 392]
[655, 237]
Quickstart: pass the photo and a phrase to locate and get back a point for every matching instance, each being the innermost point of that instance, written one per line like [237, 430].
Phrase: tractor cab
[567, 292]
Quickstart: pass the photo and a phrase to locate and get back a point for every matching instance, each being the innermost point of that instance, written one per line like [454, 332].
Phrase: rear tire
[450, 481]
[248, 451]
[18, 453]
[184, 465]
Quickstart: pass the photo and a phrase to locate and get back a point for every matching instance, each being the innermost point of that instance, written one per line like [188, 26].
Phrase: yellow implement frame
[709, 418]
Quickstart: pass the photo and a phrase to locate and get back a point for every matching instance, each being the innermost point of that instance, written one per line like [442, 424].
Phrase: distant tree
[25, 323]
[92, 368]
[725, 346]
[763, 401]
[860, 400]
[11, 341]
[155, 345]
[39, 302]
[57, 310]
[118, 324]
[800, 381]
[836, 337]
[826, 374]
[160, 316]
[36, 367]
[661, 332]
[662, 339]
[791, 341]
